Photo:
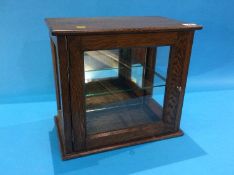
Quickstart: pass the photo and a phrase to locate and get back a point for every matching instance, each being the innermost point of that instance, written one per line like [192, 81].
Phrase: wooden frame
[68, 58]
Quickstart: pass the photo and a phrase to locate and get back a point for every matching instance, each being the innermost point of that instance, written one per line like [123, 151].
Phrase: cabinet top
[105, 25]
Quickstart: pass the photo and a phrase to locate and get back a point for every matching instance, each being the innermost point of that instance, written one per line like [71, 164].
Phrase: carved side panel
[63, 74]
[56, 76]
[77, 85]
[176, 80]
[150, 69]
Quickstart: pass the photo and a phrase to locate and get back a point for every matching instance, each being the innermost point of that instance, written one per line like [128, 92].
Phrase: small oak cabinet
[119, 81]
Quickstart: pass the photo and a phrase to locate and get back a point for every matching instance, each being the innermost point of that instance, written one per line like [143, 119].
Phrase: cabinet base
[66, 156]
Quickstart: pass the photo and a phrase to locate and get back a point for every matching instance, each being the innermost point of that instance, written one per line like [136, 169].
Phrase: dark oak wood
[150, 69]
[109, 113]
[186, 40]
[176, 79]
[77, 94]
[56, 78]
[125, 64]
[64, 89]
[104, 25]
[95, 42]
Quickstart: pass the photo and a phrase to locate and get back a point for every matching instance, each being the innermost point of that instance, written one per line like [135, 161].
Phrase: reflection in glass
[161, 65]
[123, 88]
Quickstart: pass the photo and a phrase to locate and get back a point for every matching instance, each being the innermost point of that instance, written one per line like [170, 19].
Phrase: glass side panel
[161, 65]
[162, 59]
[123, 89]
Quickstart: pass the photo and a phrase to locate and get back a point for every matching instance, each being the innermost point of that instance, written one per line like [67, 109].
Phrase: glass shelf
[101, 75]
[121, 91]
[115, 85]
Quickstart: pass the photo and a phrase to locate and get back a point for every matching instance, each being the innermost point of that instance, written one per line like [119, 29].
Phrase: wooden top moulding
[101, 25]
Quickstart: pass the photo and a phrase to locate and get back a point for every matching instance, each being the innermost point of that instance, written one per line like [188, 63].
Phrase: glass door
[124, 88]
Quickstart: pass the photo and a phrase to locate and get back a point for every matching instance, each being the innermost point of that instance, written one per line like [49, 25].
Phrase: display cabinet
[119, 81]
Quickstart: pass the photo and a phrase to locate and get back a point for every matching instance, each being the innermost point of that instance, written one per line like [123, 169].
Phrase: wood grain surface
[101, 25]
